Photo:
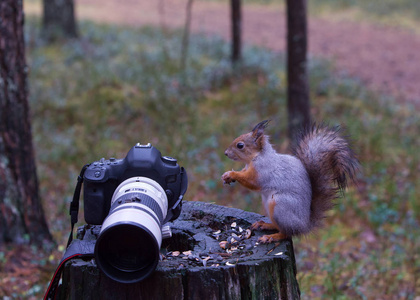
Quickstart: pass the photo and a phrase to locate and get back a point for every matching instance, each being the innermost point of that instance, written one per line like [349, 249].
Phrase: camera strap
[74, 248]
[184, 185]
[74, 205]
[77, 249]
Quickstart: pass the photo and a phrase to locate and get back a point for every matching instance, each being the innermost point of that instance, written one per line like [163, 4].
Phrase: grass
[391, 13]
[97, 96]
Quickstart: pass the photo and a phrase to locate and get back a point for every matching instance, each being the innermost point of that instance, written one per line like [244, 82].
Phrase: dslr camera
[132, 198]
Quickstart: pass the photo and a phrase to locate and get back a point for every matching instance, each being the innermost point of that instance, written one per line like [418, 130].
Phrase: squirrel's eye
[240, 145]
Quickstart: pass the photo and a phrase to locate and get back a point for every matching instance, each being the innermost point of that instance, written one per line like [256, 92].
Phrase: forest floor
[385, 58]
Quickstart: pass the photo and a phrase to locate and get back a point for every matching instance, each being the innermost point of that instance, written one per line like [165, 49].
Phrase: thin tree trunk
[21, 212]
[236, 16]
[162, 15]
[186, 37]
[59, 19]
[298, 103]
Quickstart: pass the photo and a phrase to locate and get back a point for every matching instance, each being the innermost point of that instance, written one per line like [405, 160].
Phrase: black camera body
[128, 201]
[102, 177]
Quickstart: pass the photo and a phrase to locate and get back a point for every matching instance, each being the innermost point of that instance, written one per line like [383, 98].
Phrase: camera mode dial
[169, 160]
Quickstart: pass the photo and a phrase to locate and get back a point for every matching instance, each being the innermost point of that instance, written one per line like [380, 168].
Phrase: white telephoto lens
[127, 249]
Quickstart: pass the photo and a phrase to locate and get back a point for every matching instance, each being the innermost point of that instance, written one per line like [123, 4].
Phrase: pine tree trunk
[59, 19]
[21, 213]
[298, 86]
[236, 16]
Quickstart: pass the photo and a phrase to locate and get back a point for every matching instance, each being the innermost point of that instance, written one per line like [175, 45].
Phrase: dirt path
[386, 59]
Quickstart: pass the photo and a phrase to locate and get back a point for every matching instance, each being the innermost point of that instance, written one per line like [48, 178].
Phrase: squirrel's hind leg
[261, 225]
[265, 239]
[270, 238]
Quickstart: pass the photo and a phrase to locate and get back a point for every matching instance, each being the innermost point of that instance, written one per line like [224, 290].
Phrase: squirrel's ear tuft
[259, 129]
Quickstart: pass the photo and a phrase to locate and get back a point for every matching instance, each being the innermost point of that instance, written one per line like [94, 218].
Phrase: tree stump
[195, 266]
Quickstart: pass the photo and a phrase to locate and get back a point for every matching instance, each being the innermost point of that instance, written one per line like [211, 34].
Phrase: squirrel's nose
[226, 153]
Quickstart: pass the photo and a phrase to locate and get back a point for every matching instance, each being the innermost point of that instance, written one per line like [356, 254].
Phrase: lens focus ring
[139, 198]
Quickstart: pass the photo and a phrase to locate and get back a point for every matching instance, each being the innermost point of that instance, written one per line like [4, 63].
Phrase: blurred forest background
[128, 78]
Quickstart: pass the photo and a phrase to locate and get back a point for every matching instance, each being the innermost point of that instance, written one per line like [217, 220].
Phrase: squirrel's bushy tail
[330, 162]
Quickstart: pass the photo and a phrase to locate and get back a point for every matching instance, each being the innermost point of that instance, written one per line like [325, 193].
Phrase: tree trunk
[21, 212]
[298, 86]
[236, 16]
[59, 20]
[194, 264]
[186, 36]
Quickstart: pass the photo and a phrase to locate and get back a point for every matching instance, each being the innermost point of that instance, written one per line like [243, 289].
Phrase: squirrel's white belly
[266, 197]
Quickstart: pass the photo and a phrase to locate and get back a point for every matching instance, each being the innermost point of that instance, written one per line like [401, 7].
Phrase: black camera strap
[184, 185]
[74, 205]
[77, 249]
[74, 248]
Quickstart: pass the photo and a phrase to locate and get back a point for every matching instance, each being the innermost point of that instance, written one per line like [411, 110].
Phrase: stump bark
[195, 266]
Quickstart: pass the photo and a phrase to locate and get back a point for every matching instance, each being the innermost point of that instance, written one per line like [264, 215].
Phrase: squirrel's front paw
[226, 178]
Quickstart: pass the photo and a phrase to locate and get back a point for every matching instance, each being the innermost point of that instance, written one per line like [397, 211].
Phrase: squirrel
[297, 190]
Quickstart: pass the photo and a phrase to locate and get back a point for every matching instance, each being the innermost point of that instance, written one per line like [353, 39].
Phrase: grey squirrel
[297, 190]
